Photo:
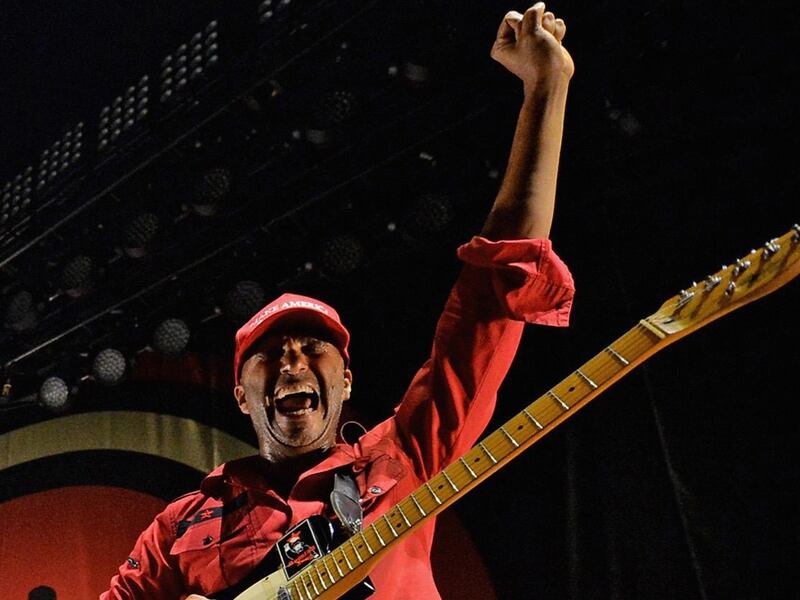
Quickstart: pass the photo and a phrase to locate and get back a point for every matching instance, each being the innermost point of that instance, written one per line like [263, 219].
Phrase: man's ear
[348, 385]
[238, 393]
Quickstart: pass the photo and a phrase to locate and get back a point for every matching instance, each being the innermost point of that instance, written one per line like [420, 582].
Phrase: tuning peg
[730, 288]
[770, 248]
[712, 281]
[796, 234]
[741, 266]
[684, 297]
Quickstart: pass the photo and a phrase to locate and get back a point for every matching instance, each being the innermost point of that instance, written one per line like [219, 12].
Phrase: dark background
[678, 157]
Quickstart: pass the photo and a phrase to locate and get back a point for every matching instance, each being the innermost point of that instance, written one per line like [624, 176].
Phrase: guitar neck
[750, 278]
[352, 561]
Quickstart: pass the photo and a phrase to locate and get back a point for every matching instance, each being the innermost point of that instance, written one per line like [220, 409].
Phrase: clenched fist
[529, 45]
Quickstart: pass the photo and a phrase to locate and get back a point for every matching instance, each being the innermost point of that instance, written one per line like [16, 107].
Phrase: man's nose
[293, 359]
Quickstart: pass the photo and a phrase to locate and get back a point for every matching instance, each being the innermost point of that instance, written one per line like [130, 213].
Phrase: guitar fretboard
[749, 278]
[485, 458]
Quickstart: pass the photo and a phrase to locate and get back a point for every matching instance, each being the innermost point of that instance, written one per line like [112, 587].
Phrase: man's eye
[316, 347]
[272, 354]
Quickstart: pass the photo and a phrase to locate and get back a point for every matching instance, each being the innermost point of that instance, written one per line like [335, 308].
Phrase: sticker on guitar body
[299, 546]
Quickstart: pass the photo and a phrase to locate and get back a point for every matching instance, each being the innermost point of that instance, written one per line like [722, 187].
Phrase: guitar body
[303, 546]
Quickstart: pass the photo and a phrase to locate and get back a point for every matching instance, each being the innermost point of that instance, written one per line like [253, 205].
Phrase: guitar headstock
[748, 278]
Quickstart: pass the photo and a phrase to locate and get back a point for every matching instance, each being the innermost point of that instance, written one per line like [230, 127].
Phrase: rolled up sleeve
[502, 286]
[531, 283]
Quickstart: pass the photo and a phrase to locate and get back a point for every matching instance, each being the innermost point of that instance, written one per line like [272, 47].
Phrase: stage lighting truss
[189, 63]
[62, 156]
[123, 114]
[16, 198]
[269, 11]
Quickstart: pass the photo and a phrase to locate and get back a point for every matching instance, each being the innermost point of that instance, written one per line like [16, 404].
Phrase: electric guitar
[330, 569]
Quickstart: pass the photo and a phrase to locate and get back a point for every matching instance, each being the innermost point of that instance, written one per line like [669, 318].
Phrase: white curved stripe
[182, 440]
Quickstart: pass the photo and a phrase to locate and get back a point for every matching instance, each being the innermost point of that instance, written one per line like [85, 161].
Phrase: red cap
[300, 308]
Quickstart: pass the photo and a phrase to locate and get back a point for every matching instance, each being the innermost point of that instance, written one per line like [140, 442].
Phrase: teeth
[302, 411]
[300, 388]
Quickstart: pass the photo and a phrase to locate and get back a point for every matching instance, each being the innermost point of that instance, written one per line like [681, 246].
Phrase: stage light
[54, 393]
[629, 124]
[624, 120]
[432, 213]
[60, 156]
[109, 366]
[416, 74]
[77, 276]
[21, 312]
[341, 254]
[211, 188]
[272, 10]
[119, 117]
[16, 196]
[139, 234]
[171, 337]
[244, 300]
[265, 11]
[333, 109]
[188, 62]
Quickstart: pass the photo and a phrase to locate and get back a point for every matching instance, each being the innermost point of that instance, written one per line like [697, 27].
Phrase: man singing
[292, 374]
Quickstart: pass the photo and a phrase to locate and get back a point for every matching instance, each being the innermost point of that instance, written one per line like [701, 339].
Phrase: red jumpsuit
[208, 540]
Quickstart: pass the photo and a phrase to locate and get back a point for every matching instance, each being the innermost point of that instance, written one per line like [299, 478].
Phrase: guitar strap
[346, 502]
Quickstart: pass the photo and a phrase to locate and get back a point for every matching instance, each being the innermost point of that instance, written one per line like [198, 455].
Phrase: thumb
[510, 26]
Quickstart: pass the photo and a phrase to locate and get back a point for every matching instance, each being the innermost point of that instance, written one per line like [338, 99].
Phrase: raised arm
[529, 45]
[512, 278]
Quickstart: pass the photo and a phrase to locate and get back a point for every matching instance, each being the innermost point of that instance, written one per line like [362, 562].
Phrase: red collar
[252, 472]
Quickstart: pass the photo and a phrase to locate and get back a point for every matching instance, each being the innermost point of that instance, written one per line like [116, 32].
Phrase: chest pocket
[377, 478]
[201, 535]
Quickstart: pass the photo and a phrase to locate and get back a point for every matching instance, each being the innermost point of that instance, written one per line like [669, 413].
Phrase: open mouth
[296, 400]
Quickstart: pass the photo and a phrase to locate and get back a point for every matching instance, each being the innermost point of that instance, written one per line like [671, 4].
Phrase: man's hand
[529, 46]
